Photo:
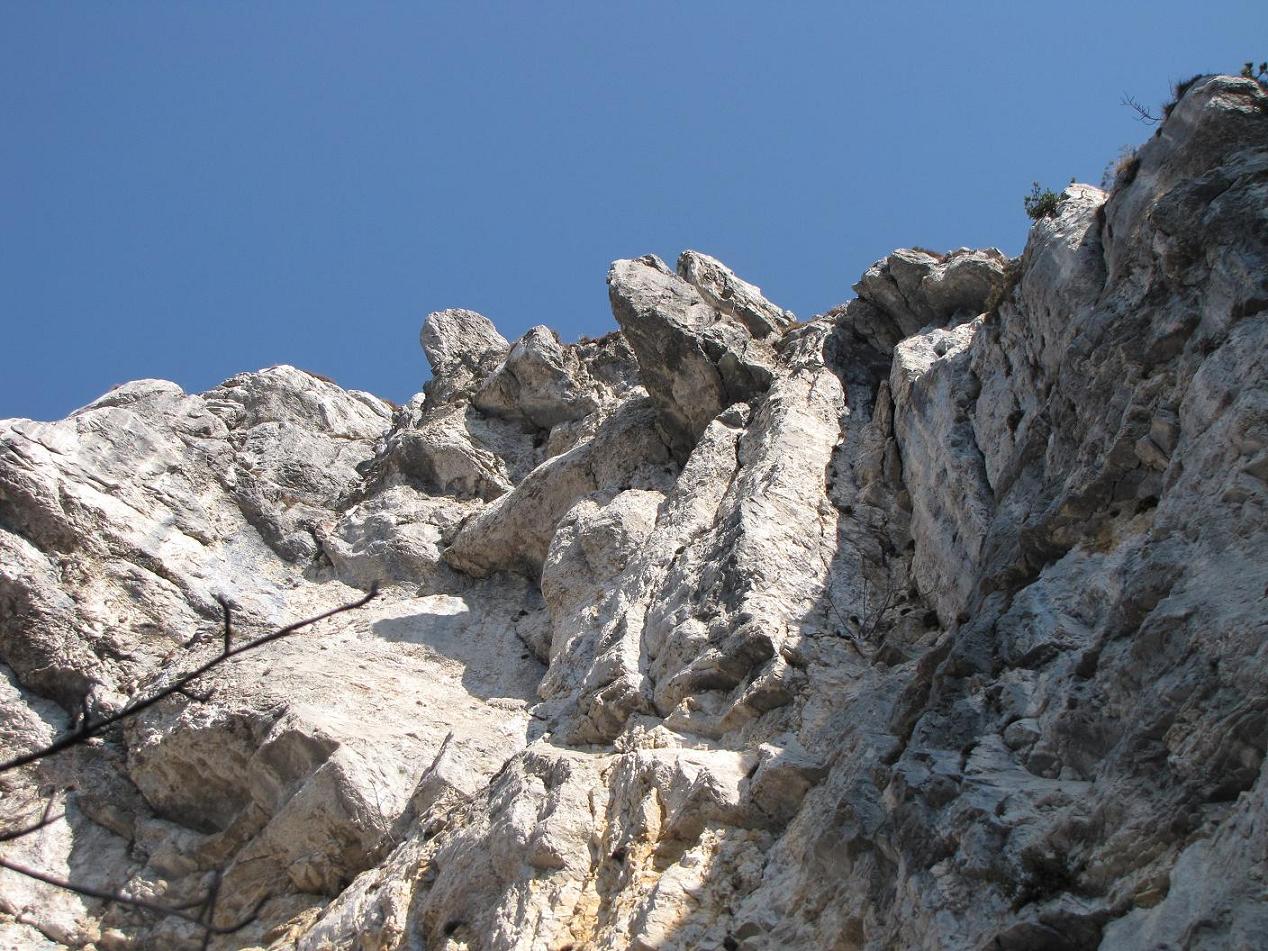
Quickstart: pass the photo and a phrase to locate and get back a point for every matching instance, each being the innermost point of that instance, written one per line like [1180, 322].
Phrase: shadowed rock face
[937, 621]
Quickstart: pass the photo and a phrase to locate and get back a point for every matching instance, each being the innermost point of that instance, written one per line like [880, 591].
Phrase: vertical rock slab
[694, 360]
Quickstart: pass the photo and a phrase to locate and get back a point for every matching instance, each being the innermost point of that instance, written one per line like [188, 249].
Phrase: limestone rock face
[460, 346]
[539, 383]
[912, 289]
[732, 295]
[693, 358]
[937, 621]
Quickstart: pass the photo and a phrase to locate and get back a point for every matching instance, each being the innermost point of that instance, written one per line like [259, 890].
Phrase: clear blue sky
[189, 190]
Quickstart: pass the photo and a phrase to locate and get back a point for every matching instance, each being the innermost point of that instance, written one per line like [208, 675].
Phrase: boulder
[912, 289]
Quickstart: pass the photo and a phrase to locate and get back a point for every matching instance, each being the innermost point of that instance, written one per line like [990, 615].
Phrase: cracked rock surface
[939, 620]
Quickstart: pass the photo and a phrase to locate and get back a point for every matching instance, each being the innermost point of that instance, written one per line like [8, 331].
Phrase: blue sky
[189, 190]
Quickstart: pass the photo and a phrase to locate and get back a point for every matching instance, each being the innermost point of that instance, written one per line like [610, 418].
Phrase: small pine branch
[1041, 202]
[1142, 113]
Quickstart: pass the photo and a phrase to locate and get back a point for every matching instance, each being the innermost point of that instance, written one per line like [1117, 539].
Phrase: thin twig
[46, 819]
[86, 729]
[209, 908]
[228, 624]
[118, 898]
[861, 633]
[872, 618]
[1142, 114]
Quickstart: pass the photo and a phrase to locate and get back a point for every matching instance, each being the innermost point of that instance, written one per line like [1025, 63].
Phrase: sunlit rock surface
[937, 621]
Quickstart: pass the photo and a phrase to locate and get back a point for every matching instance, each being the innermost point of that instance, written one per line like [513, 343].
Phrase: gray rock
[539, 383]
[733, 296]
[462, 347]
[514, 532]
[694, 360]
[913, 289]
[452, 450]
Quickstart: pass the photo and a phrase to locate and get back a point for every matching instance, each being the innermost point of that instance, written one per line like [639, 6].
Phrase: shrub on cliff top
[1041, 202]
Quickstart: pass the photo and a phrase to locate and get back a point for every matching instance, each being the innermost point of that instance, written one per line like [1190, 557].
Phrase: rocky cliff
[937, 621]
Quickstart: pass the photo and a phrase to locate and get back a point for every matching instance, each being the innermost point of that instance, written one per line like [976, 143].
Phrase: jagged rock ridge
[935, 621]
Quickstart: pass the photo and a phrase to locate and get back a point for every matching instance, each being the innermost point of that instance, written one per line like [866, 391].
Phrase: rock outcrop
[694, 358]
[937, 621]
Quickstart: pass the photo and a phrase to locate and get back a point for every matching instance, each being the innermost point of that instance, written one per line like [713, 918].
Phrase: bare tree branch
[228, 623]
[1142, 114]
[861, 632]
[46, 819]
[87, 728]
[84, 728]
[202, 919]
[873, 617]
[213, 892]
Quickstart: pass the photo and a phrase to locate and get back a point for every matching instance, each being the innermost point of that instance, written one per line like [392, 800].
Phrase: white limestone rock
[912, 289]
[539, 382]
[732, 295]
[693, 359]
[514, 532]
[461, 347]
